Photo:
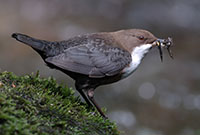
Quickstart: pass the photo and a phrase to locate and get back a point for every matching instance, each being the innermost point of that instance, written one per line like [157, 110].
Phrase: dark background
[157, 99]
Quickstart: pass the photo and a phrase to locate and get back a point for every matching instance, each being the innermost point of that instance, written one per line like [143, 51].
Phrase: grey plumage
[89, 54]
[92, 60]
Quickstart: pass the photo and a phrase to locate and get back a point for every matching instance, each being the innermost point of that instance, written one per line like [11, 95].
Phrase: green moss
[30, 105]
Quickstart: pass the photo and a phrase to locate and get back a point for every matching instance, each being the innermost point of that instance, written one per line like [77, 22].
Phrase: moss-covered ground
[30, 105]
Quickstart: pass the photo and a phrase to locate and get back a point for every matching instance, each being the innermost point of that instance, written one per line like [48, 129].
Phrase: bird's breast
[137, 55]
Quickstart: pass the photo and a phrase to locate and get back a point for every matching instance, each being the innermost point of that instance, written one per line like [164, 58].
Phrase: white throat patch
[137, 55]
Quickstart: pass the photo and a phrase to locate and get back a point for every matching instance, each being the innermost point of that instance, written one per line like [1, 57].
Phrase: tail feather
[34, 43]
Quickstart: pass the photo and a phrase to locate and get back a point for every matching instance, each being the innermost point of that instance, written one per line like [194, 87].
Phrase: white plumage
[137, 55]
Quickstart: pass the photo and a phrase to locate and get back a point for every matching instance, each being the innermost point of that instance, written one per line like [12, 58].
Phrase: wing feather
[93, 60]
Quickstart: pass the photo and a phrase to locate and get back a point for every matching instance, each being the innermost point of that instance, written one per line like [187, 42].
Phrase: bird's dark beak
[166, 43]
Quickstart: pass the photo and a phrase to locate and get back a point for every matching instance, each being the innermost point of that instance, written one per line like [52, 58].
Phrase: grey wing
[94, 61]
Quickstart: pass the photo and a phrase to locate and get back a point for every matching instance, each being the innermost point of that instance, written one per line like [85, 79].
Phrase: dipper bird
[98, 58]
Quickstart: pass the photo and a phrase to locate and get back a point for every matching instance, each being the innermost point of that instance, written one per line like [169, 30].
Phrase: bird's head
[132, 38]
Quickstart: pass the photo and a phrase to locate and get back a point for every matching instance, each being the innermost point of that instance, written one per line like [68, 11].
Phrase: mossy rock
[33, 105]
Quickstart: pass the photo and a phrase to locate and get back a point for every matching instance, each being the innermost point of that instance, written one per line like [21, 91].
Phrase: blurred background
[160, 98]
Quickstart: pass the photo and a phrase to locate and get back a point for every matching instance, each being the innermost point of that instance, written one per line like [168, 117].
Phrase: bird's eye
[141, 37]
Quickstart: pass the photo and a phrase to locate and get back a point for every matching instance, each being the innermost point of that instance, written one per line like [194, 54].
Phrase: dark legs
[85, 98]
[89, 98]
[90, 94]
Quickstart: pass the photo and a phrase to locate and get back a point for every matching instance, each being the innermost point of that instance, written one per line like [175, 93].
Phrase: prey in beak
[166, 43]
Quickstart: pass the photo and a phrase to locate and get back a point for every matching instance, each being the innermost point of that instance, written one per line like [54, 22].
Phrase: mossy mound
[33, 105]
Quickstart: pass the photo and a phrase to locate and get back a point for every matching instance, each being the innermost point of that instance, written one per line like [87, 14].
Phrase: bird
[96, 59]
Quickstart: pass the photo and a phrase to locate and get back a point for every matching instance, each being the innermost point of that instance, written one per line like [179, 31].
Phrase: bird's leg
[90, 94]
[85, 98]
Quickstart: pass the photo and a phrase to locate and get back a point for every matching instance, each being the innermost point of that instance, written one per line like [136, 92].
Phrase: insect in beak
[158, 43]
[167, 43]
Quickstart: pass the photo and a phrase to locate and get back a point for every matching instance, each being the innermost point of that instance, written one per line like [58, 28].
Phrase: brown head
[131, 38]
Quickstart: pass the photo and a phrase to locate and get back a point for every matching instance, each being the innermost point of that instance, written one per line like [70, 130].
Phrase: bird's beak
[166, 43]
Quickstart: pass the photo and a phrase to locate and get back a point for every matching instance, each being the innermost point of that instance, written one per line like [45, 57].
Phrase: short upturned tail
[34, 43]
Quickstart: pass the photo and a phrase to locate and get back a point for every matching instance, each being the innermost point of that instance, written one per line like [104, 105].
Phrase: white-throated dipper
[97, 59]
